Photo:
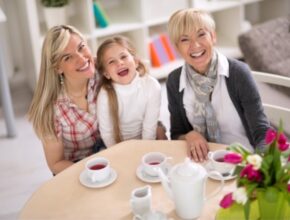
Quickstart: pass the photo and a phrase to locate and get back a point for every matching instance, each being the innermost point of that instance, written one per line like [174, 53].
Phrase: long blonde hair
[106, 84]
[41, 112]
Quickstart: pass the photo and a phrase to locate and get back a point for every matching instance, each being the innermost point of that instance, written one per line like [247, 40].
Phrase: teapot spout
[165, 183]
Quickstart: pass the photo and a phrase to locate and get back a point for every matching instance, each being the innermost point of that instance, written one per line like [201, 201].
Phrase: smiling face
[196, 48]
[193, 33]
[119, 64]
[76, 61]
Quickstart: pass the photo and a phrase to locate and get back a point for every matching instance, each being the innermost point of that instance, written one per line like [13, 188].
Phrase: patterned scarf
[204, 119]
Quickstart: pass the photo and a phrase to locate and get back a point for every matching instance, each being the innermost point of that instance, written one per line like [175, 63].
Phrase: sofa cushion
[266, 47]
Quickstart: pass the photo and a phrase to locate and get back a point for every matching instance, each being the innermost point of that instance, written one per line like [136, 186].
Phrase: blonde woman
[129, 100]
[211, 97]
[63, 109]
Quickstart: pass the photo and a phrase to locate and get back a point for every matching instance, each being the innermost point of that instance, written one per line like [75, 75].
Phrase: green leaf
[239, 148]
[281, 187]
[54, 3]
[285, 177]
[279, 174]
[238, 170]
[251, 187]
[277, 163]
[280, 129]
[265, 169]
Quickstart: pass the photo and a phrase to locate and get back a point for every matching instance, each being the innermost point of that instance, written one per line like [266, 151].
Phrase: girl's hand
[197, 147]
[161, 132]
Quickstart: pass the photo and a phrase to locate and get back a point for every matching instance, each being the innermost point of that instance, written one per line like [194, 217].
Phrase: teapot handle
[221, 186]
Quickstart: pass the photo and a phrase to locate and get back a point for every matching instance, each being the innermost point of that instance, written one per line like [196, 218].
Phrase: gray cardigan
[243, 93]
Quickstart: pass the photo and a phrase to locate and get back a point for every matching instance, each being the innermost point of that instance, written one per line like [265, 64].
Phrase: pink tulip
[227, 201]
[251, 173]
[282, 142]
[288, 187]
[270, 136]
[234, 158]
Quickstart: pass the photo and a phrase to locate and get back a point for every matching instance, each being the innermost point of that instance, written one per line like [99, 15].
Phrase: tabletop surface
[64, 197]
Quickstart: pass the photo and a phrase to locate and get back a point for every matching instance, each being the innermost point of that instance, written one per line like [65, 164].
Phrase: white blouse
[231, 127]
[139, 108]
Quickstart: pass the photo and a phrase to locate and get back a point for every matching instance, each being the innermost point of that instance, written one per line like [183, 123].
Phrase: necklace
[79, 95]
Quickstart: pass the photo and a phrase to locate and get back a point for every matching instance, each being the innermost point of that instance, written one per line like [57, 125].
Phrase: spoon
[226, 174]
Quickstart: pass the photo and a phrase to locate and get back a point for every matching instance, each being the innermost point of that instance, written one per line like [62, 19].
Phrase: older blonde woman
[63, 107]
[211, 97]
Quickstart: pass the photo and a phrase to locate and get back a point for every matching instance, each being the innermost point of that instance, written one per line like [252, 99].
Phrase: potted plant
[55, 12]
[262, 177]
[54, 3]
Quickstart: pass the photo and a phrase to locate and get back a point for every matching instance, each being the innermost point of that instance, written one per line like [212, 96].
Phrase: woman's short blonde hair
[185, 21]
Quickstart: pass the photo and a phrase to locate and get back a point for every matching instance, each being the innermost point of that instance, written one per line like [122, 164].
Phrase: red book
[155, 61]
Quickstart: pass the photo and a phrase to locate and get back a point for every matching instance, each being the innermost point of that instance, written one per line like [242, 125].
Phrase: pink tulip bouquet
[266, 172]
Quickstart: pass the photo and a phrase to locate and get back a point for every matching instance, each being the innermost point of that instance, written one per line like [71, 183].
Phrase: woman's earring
[61, 79]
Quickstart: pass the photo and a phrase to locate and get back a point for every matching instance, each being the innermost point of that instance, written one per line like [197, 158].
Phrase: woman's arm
[197, 146]
[54, 154]
[248, 95]
[179, 124]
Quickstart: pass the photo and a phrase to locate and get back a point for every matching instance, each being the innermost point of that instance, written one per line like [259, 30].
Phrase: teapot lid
[188, 169]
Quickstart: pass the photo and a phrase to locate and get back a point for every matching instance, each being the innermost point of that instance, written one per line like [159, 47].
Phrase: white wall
[19, 54]
[270, 10]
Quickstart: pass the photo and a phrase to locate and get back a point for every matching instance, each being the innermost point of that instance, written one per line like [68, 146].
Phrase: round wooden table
[64, 197]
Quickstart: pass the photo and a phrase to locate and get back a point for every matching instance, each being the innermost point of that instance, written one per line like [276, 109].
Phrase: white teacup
[98, 169]
[217, 161]
[141, 199]
[152, 161]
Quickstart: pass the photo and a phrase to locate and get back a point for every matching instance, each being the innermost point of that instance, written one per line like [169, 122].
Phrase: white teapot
[185, 185]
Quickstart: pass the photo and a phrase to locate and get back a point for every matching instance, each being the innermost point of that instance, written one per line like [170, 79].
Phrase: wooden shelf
[140, 20]
[163, 71]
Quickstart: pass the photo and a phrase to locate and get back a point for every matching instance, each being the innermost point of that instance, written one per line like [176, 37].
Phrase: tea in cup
[217, 161]
[152, 161]
[98, 169]
[141, 199]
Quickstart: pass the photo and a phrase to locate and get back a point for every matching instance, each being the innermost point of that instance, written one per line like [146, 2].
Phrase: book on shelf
[161, 50]
[172, 54]
[155, 61]
[100, 15]
[158, 51]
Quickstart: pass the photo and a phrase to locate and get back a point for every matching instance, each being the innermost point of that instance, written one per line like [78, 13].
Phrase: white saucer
[85, 180]
[150, 179]
[209, 168]
[156, 215]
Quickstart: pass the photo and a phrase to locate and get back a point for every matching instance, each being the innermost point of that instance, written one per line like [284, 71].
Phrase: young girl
[128, 102]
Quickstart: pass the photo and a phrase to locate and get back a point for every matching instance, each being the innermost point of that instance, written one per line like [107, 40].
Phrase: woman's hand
[197, 147]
